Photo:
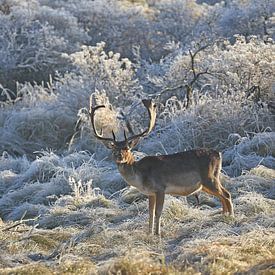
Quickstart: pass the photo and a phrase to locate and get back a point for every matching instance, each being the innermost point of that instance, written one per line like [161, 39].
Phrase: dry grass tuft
[28, 269]
[263, 171]
[139, 263]
[73, 266]
[230, 255]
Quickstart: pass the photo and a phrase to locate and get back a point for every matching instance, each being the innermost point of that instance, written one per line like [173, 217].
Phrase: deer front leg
[159, 207]
[152, 208]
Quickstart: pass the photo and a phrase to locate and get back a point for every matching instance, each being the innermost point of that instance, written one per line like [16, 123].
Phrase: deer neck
[126, 169]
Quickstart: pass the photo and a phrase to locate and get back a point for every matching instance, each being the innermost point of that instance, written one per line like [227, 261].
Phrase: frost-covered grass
[89, 232]
[64, 208]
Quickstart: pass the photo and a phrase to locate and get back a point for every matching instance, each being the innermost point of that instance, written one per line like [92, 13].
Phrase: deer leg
[159, 207]
[152, 209]
[213, 187]
[226, 196]
[197, 199]
[228, 200]
[217, 194]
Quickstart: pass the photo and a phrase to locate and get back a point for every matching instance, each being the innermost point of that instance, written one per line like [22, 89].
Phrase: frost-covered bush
[180, 20]
[35, 33]
[120, 24]
[105, 71]
[65, 24]
[124, 25]
[45, 116]
[245, 17]
[231, 89]
[32, 38]
[217, 68]
[244, 66]
[208, 124]
[248, 153]
[35, 122]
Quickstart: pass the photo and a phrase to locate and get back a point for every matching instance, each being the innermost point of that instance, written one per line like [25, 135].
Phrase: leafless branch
[21, 221]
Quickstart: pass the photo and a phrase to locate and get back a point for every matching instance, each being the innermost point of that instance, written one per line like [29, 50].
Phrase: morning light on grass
[137, 137]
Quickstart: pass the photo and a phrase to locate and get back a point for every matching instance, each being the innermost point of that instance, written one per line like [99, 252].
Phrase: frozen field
[208, 65]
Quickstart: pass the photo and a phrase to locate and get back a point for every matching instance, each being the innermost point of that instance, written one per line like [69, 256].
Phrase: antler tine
[114, 137]
[92, 116]
[151, 108]
[125, 136]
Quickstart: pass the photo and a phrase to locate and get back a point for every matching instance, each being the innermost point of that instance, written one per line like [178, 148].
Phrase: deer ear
[133, 142]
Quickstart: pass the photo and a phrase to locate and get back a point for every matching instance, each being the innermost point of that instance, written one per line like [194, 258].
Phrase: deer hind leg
[159, 207]
[216, 193]
[197, 198]
[213, 187]
[152, 209]
[228, 200]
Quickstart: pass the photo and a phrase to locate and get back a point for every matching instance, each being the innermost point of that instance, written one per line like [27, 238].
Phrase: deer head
[122, 149]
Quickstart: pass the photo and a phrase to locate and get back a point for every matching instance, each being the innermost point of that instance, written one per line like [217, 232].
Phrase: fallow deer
[177, 174]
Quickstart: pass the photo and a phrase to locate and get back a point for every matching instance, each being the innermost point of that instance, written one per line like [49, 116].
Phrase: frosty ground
[103, 226]
[209, 67]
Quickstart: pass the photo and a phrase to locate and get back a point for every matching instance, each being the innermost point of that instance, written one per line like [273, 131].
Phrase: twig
[22, 221]
[29, 233]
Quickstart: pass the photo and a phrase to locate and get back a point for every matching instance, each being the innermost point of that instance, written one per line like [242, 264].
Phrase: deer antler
[151, 108]
[96, 134]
